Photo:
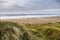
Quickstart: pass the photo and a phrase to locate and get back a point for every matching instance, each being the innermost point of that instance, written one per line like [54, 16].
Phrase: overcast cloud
[28, 5]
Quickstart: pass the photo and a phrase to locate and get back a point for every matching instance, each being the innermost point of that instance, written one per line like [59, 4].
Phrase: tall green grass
[50, 31]
[13, 31]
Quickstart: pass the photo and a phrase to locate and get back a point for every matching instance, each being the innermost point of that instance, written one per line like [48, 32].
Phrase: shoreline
[38, 20]
[28, 16]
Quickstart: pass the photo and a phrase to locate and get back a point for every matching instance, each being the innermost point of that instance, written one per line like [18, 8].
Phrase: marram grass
[50, 31]
[14, 31]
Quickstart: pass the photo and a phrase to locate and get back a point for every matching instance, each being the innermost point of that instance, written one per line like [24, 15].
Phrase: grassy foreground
[50, 31]
[14, 31]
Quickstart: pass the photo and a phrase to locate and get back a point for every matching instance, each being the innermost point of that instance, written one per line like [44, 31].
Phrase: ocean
[18, 16]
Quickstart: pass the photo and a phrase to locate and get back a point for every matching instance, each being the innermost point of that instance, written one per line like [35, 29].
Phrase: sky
[30, 6]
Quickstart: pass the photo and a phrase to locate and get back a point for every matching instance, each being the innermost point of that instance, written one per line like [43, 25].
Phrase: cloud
[29, 4]
[9, 3]
[43, 4]
[6, 3]
[39, 12]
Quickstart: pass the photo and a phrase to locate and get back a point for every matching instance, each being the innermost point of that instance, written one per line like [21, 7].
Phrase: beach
[32, 20]
[36, 27]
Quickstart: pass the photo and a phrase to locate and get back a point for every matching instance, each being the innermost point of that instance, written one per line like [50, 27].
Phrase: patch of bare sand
[34, 20]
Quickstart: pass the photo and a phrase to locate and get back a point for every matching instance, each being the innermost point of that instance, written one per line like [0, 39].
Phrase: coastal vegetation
[15, 31]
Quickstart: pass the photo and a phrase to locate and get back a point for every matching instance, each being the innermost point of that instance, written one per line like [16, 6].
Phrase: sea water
[24, 16]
